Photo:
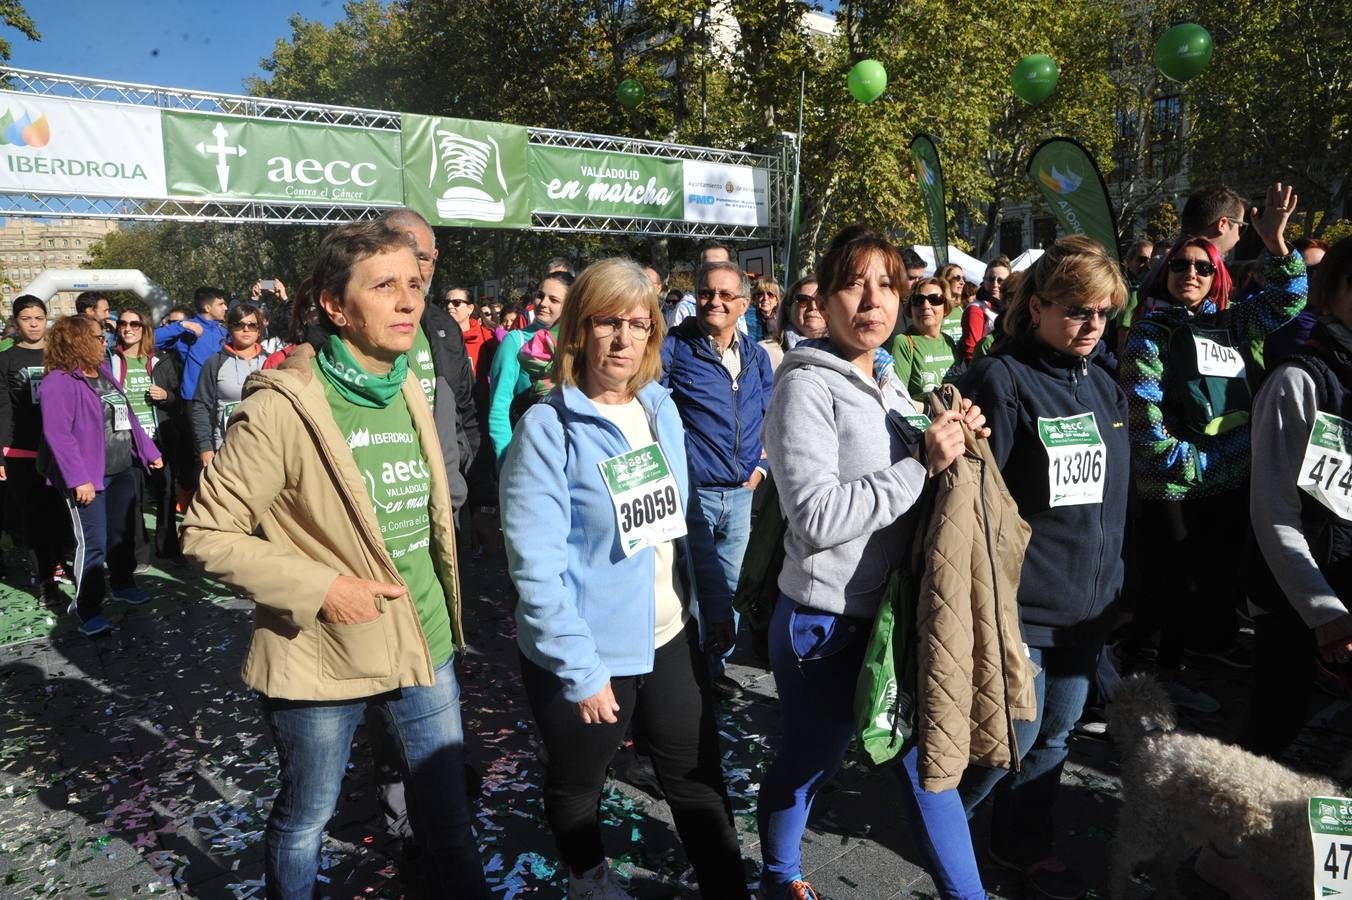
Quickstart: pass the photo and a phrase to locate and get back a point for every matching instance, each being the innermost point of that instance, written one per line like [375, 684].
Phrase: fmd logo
[25, 131]
[701, 199]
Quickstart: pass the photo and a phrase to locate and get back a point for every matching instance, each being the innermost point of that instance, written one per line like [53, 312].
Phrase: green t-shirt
[420, 366]
[399, 486]
[922, 362]
[952, 325]
[137, 385]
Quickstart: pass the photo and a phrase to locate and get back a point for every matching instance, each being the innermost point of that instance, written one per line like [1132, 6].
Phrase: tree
[13, 14]
[1276, 101]
[1162, 223]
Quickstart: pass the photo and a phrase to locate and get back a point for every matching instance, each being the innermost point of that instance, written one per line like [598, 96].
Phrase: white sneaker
[595, 884]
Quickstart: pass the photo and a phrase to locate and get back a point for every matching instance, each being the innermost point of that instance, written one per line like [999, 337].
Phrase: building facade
[29, 246]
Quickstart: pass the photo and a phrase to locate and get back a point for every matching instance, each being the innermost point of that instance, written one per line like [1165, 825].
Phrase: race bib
[35, 374]
[1218, 359]
[121, 412]
[1077, 460]
[1331, 838]
[1326, 471]
[647, 505]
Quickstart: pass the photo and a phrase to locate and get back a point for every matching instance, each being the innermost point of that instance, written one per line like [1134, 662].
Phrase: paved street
[137, 764]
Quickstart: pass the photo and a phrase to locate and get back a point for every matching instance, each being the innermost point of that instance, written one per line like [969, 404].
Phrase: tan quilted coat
[975, 678]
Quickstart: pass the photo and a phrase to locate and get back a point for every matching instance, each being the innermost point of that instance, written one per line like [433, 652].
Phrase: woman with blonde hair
[925, 354]
[952, 275]
[763, 319]
[1056, 415]
[594, 490]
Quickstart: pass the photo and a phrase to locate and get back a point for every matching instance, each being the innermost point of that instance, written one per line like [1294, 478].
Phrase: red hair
[1221, 285]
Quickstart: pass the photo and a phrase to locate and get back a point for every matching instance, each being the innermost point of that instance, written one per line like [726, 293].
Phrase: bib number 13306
[647, 505]
[1077, 460]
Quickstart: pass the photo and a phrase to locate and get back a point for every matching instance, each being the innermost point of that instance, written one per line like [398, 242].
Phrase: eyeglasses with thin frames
[606, 326]
[710, 293]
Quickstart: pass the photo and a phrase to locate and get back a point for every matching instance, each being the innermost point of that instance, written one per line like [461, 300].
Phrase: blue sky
[208, 45]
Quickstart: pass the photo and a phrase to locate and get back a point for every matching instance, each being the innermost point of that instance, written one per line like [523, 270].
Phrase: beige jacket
[975, 677]
[282, 512]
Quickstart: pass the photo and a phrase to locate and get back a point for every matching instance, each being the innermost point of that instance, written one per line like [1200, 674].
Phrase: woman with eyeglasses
[1187, 371]
[152, 390]
[951, 274]
[924, 355]
[220, 385]
[506, 378]
[1057, 416]
[765, 293]
[46, 530]
[803, 314]
[594, 490]
[91, 443]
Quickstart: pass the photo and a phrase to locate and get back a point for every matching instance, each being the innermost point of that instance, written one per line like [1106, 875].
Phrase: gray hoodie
[844, 478]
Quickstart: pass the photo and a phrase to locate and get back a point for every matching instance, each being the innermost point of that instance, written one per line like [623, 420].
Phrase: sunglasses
[460, 303]
[806, 299]
[130, 325]
[1084, 314]
[244, 326]
[931, 299]
[1181, 266]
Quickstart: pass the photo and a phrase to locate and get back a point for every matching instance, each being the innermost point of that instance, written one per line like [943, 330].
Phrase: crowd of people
[1146, 420]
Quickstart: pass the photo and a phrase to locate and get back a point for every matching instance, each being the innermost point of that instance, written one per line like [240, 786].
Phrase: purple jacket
[72, 426]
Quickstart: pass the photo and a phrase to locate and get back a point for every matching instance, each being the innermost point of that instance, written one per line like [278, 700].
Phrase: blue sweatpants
[815, 658]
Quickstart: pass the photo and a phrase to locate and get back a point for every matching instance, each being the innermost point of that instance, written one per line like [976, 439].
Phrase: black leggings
[1283, 672]
[42, 512]
[670, 709]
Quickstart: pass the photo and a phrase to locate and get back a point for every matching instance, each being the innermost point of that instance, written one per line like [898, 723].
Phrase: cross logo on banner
[222, 151]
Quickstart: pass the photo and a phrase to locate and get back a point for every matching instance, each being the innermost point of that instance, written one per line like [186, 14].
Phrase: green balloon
[630, 92]
[1034, 78]
[867, 81]
[1183, 51]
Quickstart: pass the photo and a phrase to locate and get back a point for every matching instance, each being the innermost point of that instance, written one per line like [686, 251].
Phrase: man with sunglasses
[720, 380]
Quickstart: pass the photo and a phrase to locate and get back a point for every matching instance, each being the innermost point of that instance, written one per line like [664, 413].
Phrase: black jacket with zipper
[1073, 569]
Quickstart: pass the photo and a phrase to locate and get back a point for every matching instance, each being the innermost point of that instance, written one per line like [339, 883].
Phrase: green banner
[925, 157]
[1069, 180]
[466, 173]
[229, 157]
[588, 182]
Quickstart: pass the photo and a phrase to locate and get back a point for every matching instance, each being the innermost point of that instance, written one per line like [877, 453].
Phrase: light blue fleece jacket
[586, 613]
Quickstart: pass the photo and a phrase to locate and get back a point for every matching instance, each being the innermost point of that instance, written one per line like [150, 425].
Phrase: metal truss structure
[779, 164]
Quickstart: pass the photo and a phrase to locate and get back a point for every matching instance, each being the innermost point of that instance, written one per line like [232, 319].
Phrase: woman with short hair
[802, 313]
[594, 491]
[92, 441]
[924, 355]
[765, 294]
[330, 507]
[1056, 416]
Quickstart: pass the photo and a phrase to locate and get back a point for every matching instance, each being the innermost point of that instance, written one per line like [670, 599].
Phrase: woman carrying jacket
[41, 513]
[152, 386]
[330, 507]
[93, 440]
[849, 471]
[220, 386]
[1057, 419]
[505, 378]
[604, 621]
[1187, 380]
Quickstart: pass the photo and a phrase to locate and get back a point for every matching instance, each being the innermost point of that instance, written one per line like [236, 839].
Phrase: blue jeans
[1021, 819]
[717, 543]
[314, 739]
[816, 658]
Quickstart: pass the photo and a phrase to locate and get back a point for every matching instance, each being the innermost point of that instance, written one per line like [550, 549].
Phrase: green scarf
[353, 383]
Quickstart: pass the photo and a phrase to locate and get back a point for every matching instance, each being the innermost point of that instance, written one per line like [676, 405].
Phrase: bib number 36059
[1077, 460]
[647, 505]
[1326, 471]
[1331, 837]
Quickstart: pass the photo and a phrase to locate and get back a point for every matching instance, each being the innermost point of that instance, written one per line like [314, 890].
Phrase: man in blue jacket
[720, 380]
[197, 339]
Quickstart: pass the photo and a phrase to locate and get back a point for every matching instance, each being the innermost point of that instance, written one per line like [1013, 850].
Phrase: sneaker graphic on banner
[469, 166]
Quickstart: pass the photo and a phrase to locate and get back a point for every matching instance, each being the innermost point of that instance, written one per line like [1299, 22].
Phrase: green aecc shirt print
[399, 486]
